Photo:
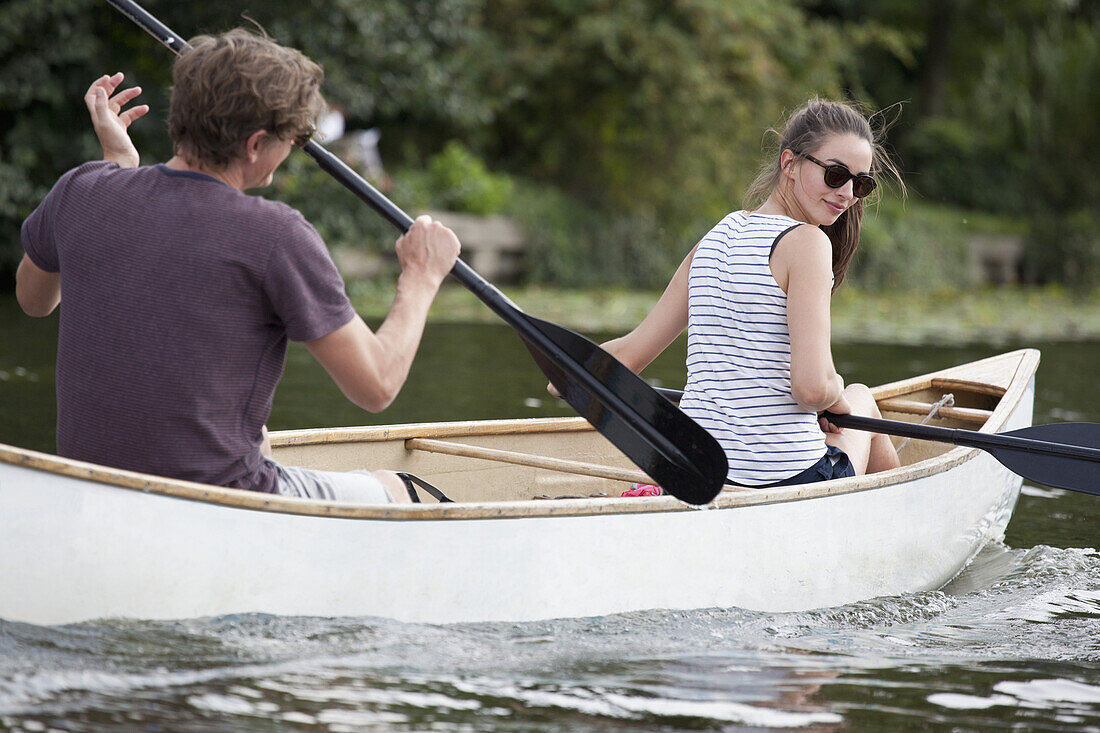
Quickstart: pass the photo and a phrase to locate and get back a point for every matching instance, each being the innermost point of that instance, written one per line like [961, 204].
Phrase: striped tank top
[739, 354]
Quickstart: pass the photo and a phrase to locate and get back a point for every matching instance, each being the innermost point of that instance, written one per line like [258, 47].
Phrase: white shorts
[360, 487]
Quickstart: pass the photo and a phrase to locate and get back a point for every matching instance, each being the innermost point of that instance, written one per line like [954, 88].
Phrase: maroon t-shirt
[178, 295]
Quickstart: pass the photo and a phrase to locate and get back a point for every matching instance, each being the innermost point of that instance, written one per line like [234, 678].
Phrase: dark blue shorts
[834, 464]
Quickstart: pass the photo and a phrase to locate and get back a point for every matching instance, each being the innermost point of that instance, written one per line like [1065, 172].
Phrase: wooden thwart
[463, 450]
[524, 459]
[915, 407]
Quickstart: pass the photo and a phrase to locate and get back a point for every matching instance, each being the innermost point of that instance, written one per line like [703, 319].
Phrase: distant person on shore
[754, 295]
[180, 291]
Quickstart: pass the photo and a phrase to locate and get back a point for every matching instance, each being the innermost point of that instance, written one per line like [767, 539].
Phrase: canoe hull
[73, 549]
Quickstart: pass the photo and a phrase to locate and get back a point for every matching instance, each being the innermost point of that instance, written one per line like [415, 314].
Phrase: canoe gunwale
[1027, 362]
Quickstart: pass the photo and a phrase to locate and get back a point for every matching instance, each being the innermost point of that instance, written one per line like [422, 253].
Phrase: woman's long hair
[806, 131]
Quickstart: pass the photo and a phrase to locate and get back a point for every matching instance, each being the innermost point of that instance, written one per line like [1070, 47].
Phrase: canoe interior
[539, 467]
[977, 390]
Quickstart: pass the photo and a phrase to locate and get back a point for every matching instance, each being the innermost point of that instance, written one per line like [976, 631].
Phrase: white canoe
[80, 541]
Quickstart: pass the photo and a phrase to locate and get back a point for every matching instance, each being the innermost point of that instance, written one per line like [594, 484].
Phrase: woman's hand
[110, 122]
[840, 407]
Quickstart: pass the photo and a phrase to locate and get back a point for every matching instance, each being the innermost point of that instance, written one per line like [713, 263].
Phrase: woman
[754, 295]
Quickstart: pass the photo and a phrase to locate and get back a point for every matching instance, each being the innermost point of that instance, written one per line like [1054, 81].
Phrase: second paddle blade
[674, 450]
[1056, 471]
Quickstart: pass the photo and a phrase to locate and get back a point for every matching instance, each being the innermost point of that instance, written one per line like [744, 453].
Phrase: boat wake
[1017, 635]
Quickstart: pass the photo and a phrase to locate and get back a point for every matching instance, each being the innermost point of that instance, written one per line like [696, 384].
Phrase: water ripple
[1014, 640]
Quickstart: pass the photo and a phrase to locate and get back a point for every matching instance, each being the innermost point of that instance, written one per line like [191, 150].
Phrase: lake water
[1013, 642]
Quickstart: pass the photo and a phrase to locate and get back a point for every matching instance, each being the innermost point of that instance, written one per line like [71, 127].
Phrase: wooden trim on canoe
[1007, 374]
[968, 385]
[376, 434]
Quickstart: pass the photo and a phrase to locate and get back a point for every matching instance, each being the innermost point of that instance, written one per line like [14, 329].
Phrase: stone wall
[996, 259]
[491, 245]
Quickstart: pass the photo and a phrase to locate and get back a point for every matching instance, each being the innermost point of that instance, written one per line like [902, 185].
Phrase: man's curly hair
[228, 86]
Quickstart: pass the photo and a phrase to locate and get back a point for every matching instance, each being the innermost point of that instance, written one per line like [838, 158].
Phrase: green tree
[38, 82]
[389, 63]
[1004, 115]
[649, 106]
[645, 115]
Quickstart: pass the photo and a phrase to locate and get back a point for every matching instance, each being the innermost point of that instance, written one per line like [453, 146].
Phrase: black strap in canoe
[410, 479]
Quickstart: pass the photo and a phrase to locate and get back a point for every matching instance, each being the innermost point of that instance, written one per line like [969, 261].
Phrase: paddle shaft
[150, 24]
[968, 438]
[955, 436]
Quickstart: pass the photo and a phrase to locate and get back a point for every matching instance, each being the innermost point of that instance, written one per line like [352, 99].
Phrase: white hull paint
[73, 549]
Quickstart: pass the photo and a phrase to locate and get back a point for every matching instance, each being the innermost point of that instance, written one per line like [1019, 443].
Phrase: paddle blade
[670, 447]
[1057, 471]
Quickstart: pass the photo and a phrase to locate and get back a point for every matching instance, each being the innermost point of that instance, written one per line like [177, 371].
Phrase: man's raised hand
[111, 122]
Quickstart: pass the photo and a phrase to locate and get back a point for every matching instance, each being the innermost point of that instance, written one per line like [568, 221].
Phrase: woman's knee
[862, 400]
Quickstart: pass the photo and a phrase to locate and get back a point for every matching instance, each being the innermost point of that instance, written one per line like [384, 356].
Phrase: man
[180, 291]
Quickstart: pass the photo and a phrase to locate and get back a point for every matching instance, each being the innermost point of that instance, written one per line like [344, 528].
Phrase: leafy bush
[949, 161]
[46, 50]
[913, 247]
[458, 180]
[339, 216]
[1064, 249]
[575, 245]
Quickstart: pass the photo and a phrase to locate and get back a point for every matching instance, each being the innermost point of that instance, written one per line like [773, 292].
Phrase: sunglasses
[836, 175]
[304, 137]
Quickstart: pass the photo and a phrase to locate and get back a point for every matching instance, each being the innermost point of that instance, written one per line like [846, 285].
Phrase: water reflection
[479, 371]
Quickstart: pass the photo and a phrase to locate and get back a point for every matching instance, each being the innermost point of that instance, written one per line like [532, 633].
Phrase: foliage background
[617, 131]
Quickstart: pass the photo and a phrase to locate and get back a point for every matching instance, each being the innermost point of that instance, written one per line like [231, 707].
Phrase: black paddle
[670, 447]
[1063, 455]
